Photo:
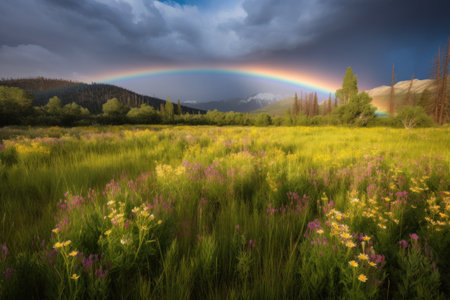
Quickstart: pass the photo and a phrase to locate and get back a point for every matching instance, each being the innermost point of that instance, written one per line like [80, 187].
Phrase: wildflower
[67, 243]
[362, 278]
[73, 253]
[363, 256]
[372, 264]
[346, 236]
[387, 199]
[108, 232]
[152, 217]
[350, 244]
[353, 263]
[74, 276]
[145, 213]
[55, 230]
[366, 238]
[57, 245]
[110, 202]
[159, 222]
[320, 231]
[414, 236]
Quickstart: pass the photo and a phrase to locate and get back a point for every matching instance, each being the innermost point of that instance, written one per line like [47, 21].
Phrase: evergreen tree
[179, 110]
[295, 108]
[169, 109]
[349, 87]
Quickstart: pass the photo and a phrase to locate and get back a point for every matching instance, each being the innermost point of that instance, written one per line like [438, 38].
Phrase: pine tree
[329, 104]
[179, 110]
[295, 107]
[169, 109]
[349, 87]
[315, 105]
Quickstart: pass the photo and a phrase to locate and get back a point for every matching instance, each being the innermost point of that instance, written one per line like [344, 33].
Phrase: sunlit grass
[245, 212]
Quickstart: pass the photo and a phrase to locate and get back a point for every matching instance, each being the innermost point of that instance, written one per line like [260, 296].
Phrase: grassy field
[224, 212]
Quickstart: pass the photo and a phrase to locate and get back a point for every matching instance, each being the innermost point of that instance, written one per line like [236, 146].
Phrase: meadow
[179, 212]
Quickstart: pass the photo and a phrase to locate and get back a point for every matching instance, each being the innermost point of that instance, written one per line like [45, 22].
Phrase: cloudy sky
[80, 39]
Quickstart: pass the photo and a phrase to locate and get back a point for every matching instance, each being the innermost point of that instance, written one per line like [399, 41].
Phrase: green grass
[245, 212]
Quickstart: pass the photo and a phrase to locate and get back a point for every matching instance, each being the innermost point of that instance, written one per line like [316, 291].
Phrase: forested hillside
[91, 96]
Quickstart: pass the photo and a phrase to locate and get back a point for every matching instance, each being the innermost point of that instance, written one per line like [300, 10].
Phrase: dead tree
[391, 101]
[444, 88]
[408, 94]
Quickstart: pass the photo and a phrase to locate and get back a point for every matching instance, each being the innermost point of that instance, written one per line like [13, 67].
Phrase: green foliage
[358, 112]
[169, 110]
[238, 207]
[145, 114]
[349, 87]
[263, 120]
[114, 110]
[15, 105]
[413, 116]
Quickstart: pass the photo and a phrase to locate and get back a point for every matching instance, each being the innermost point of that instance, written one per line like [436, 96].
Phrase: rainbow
[266, 73]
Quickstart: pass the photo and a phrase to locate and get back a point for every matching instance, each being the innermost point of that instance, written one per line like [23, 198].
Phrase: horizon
[124, 41]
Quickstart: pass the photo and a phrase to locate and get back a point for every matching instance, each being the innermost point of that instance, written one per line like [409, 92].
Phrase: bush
[413, 116]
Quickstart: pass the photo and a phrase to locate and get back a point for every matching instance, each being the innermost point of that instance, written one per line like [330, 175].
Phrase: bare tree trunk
[444, 87]
[436, 99]
[391, 102]
[408, 94]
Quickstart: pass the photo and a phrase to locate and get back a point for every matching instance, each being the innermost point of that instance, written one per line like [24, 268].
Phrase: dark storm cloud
[76, 38]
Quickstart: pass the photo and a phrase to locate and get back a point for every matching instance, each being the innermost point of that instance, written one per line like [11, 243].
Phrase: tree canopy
[349, 87]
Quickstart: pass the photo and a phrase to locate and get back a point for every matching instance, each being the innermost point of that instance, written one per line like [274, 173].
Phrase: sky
[88, 40]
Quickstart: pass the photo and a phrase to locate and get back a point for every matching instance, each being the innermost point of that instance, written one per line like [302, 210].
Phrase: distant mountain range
[248, 104]
[91, 96]
[381, 95]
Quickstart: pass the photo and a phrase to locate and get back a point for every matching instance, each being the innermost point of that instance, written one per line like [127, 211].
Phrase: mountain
[248, 104]
[91, 96]
[276, 108]
[381, 95]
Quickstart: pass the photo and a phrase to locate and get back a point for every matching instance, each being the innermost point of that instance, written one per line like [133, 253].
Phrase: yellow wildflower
[362, 278]
[57, 245]
[366, 238]
[372, 264]
[353, 263]
[145, 213]
[74, 276]
[346, 236]
[108, 232]
[73, 253]
[56, 230]
[350, 244]
[363, 256]
[67, 243]
[159, 222]
[320, 231]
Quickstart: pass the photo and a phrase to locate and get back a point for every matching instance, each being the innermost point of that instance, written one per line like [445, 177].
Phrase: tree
[295, 107]
[145, 114]
[358, 112]
[412, 116]
[349, 87]
[263, 120]
[443, 102]
[15, 105]
[169, 109]
[114, 109]
[179, 110]
[54, 106]
[408, 94]
[391, 100]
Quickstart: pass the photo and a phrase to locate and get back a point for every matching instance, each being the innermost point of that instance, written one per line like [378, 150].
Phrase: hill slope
[248, 104]
[381, 95]
[92, 96]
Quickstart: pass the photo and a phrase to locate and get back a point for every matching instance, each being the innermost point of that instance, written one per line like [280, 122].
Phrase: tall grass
[209, 212]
